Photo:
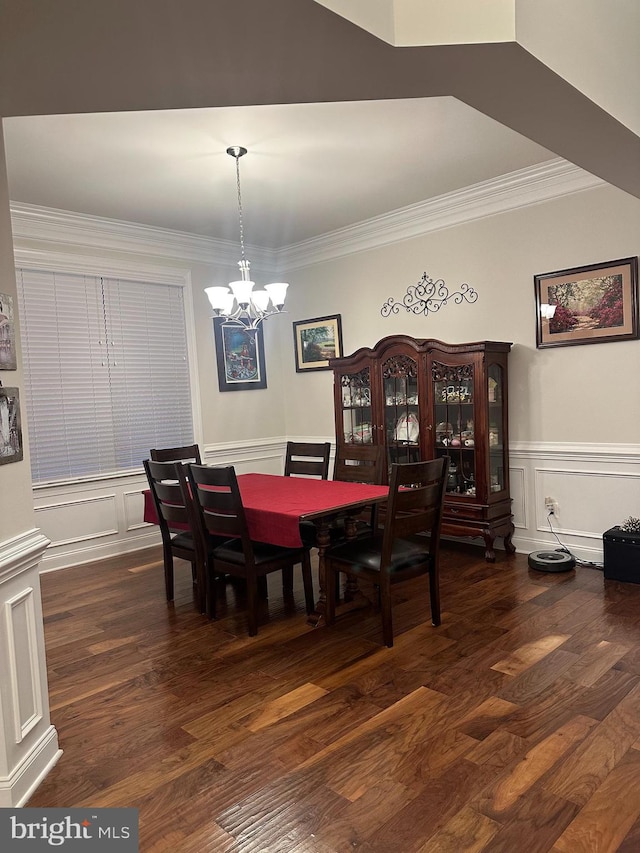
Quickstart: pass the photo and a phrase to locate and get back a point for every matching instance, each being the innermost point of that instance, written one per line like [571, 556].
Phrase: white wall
[605, 33]
[28, 741]
[555, 394]
[574, 411]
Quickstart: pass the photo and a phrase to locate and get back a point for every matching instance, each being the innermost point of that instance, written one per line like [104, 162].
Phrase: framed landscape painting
[587, 305]
[239, 356]
[316, 341]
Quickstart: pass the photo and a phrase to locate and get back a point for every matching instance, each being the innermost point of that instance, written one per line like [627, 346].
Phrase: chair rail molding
[28, 741]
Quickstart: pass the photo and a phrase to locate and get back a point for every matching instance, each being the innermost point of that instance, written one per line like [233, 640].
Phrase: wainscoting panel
[517, 479]
[595, 487]
[133, 509]
[28, 741]
[66, 522]
[22, 652]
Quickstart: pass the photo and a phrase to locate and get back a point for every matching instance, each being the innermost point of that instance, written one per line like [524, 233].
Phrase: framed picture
[240, 357]
[7, 334]
[316, 341]
[10, 427]
[587, 305]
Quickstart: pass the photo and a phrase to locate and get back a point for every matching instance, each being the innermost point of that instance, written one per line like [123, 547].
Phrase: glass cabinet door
[453, 424]
[400, 402]
[497, 445]
[357, 417]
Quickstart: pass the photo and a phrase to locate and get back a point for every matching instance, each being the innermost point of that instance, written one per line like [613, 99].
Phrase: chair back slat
[186, 453]
[307, 459]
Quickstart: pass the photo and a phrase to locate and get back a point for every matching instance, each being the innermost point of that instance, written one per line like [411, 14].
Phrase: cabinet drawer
[460, 511]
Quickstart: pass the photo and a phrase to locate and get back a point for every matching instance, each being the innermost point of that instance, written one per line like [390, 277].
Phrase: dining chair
[220, 512]
[175, 512]
[361, 463]
[408, 546]
[187, 453]
[307, 459]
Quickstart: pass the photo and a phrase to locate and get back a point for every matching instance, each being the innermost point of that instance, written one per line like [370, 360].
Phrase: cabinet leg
[509, 547]
[489, 553]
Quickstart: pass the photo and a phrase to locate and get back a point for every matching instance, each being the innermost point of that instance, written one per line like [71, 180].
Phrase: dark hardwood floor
[514, 726]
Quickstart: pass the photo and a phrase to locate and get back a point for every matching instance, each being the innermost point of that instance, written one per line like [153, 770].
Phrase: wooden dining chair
[175, 512]
[408, 546]
[361, 463]
[307, 459]
[187, 453]
[219, 512]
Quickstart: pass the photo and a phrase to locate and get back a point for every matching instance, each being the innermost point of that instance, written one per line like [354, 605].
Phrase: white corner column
[28, 741]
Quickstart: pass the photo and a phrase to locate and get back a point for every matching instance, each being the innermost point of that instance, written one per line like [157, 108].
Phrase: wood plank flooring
[513, 726]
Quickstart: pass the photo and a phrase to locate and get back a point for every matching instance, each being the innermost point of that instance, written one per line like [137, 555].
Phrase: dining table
[275, 506]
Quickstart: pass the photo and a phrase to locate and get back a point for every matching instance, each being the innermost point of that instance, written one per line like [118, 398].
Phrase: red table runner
[274, 505]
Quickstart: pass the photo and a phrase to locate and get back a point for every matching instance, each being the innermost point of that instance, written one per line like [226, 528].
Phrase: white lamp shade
[242, 291]
[260, 299]
[277, 291]
[221, 298]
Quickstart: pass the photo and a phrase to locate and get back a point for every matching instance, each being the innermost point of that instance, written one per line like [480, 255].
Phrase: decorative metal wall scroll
[428, 296]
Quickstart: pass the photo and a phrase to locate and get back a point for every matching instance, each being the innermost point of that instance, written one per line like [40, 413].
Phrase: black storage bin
[621, 555]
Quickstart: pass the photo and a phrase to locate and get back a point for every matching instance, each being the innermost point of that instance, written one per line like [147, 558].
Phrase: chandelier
[239, 304]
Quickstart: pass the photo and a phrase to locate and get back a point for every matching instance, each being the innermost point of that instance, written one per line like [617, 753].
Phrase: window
[106, 372]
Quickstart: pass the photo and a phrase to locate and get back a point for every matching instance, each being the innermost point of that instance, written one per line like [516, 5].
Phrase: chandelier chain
[240, 219]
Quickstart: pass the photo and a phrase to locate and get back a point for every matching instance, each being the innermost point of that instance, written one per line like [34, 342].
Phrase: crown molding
[522, 188]
[48, 224]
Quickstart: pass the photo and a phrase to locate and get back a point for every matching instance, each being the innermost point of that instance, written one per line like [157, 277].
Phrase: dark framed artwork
[7, 334]
[587, 305]
[10, 426]
[239, 356]
[316, 341]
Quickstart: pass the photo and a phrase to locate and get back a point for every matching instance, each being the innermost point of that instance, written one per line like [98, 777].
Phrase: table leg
[350, 591]
[353, 598]
[323, 539]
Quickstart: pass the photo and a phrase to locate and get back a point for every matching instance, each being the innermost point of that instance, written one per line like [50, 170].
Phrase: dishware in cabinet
[380, 397]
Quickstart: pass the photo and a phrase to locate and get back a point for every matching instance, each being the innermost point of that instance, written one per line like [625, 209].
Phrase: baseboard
[16, 789]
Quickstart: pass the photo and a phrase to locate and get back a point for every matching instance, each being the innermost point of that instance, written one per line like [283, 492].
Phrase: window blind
[106, 372]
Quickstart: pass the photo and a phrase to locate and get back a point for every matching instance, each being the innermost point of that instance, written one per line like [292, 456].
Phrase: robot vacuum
[551, 561]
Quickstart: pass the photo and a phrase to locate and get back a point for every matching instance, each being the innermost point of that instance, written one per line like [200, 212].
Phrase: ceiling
[311, 168]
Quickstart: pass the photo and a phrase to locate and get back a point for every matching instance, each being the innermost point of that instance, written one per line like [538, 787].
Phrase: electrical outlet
[551, 505]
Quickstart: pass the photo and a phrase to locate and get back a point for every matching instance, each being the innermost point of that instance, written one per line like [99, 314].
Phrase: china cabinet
[422, 398]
